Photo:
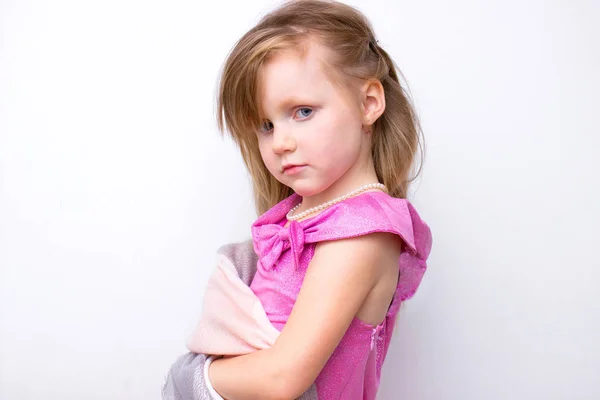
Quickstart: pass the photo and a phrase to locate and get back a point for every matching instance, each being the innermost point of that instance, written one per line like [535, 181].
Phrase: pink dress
[353, 371]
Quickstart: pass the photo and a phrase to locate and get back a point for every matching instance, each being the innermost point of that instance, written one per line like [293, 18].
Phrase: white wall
[116, 190]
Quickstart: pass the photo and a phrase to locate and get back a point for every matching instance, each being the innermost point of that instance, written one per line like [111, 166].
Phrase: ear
[373, 101]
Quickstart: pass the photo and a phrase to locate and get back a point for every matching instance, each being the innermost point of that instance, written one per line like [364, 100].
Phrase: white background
[116, 190]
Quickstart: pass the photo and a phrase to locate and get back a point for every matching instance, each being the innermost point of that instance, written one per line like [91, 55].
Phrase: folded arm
[338, 280]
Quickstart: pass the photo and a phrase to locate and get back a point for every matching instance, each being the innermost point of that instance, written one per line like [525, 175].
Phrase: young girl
[329, 137]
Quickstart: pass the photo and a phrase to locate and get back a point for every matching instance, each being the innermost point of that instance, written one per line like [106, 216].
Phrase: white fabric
[209, 385]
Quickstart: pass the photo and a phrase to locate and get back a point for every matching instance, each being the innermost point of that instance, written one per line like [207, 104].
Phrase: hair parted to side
[356, 54]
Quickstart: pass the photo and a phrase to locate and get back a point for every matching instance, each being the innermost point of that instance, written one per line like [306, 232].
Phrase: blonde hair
[348, 35]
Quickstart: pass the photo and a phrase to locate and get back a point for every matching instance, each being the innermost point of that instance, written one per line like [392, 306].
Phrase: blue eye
[266, 126]
[303, 112]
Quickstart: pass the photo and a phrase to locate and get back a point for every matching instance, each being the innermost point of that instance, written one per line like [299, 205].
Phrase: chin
[305, 190]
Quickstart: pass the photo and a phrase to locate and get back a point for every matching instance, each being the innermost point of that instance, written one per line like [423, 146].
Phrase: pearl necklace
[329, 203]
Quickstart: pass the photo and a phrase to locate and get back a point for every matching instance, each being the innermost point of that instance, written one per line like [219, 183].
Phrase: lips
[290, 169]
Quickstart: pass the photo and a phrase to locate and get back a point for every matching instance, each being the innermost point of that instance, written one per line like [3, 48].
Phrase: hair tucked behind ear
[355, 55]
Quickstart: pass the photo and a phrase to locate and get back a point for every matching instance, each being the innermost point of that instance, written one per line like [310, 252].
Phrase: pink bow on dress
[271, 240]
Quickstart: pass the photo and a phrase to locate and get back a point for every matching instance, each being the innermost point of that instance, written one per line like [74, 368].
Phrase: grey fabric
[185, 379]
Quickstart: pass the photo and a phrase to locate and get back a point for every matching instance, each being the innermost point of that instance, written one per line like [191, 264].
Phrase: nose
[283, 141]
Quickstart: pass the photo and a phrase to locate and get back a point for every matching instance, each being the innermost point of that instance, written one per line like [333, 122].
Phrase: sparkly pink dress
[353, 371]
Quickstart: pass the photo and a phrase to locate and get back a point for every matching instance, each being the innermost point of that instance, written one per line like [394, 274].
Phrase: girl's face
[312, 138]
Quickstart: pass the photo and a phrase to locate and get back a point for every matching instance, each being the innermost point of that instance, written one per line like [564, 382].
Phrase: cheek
[335, 155]
[337, 138]
[264, 146]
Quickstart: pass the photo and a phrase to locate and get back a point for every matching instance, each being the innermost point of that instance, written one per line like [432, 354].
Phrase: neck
[291, 216]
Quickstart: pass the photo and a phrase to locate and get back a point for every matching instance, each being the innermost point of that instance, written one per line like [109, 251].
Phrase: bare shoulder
[372, 252]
